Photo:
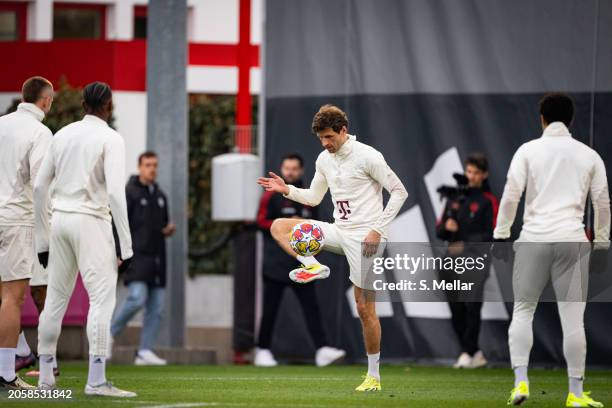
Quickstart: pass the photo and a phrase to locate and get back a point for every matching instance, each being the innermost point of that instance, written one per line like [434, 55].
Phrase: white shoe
[47, 387]
[305, 274]
[328, 355]
[148, 357]
[264, 358]
[478, 360]
[107, 389]
[464, 361]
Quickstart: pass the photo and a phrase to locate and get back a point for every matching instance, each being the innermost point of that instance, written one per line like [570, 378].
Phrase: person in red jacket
[275, 267]
[467, 222]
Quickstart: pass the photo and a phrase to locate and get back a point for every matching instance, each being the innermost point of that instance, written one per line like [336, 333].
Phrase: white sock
[97, 370]
[307, 260]
[23, 350]
[373, 365]
[7, 363]
[520, 374]
[575, 385]
[46, 363]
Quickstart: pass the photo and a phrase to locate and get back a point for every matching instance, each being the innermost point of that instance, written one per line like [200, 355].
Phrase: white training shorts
[347, 242]
[17, 255]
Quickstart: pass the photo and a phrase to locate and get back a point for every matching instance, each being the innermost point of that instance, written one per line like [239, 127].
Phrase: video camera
[453, 192]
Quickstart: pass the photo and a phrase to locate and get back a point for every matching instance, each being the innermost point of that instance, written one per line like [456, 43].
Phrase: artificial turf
[306, 386]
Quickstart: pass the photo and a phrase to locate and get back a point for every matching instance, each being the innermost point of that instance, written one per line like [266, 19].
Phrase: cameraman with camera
[469, 216]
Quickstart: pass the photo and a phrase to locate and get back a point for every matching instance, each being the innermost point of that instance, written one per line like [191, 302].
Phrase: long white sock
[520, 374]
[97, 370]
[307, 260]
[7, 363]
[373, 365]
[23, 349]
[575, 385]
[46, 362]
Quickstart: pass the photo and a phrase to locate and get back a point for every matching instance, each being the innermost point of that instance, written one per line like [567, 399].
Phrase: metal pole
[167, 135]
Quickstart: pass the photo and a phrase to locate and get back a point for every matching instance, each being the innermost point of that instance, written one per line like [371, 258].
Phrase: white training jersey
[355, 175]
[24, 141]
[87, 162]
[558, 172]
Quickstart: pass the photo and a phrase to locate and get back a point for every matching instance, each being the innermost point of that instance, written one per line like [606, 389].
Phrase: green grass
[306, 386]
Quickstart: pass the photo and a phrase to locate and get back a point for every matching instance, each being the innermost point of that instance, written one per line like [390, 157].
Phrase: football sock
[23, 350]
[307, 260]
[7, 363]
[373, 365]
[97, 370]
[520, 374]
[575, 385]
[46, 362]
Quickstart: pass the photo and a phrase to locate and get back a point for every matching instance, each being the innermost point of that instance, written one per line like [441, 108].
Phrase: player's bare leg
[280, 230]
[13, 296]
[366, 308]
[39, 294]
[311, 269]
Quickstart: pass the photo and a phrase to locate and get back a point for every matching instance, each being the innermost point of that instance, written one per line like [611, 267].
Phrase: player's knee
[278, 228]
[366, 311]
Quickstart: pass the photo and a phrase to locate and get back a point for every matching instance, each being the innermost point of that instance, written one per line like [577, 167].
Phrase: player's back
[78, 154]
[18, 132]
[559, 174]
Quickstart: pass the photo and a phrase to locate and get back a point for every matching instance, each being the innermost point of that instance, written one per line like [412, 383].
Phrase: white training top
[23, 144]
[558, 173]
[87, 161]
[355, 176]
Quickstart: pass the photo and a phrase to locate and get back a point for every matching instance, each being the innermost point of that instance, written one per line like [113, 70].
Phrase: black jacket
[148, 215]
[475, 214]
[277, 263]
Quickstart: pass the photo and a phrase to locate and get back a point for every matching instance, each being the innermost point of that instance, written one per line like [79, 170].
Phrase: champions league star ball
[307, 239]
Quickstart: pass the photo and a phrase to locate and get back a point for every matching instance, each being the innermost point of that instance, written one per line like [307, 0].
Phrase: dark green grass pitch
[305, 386]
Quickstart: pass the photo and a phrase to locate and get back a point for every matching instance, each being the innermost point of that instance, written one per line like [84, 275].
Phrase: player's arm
[114, 166]
[382, 173]
[311, 196]
[600, 198]
[515, 185]
[42, 181]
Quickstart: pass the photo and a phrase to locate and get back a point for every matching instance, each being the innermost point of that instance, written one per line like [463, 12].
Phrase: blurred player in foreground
[355, 174]
[87, 161]
[557, 172]
[25, 141]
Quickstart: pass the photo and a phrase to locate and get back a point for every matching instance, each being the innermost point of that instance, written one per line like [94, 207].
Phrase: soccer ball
[307, 239]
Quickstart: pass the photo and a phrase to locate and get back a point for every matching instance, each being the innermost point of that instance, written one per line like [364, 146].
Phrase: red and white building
[105, 40]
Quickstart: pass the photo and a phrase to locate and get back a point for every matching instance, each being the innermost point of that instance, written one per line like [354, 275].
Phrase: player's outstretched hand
[273, 183]
[43, 259]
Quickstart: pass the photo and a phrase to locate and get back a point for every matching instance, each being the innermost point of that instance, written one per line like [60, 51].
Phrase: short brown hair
[329, 116]
[149, 154]
[32, 88]
[479, 160]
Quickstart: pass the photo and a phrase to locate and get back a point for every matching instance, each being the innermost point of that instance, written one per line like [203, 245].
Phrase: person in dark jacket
[469, 218]
[275, 275]
[146, 275]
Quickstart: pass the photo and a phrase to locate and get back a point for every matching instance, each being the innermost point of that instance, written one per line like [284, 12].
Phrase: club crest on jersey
[344, 209]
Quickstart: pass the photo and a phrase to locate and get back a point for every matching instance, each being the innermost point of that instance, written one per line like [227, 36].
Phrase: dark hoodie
[148, 215]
